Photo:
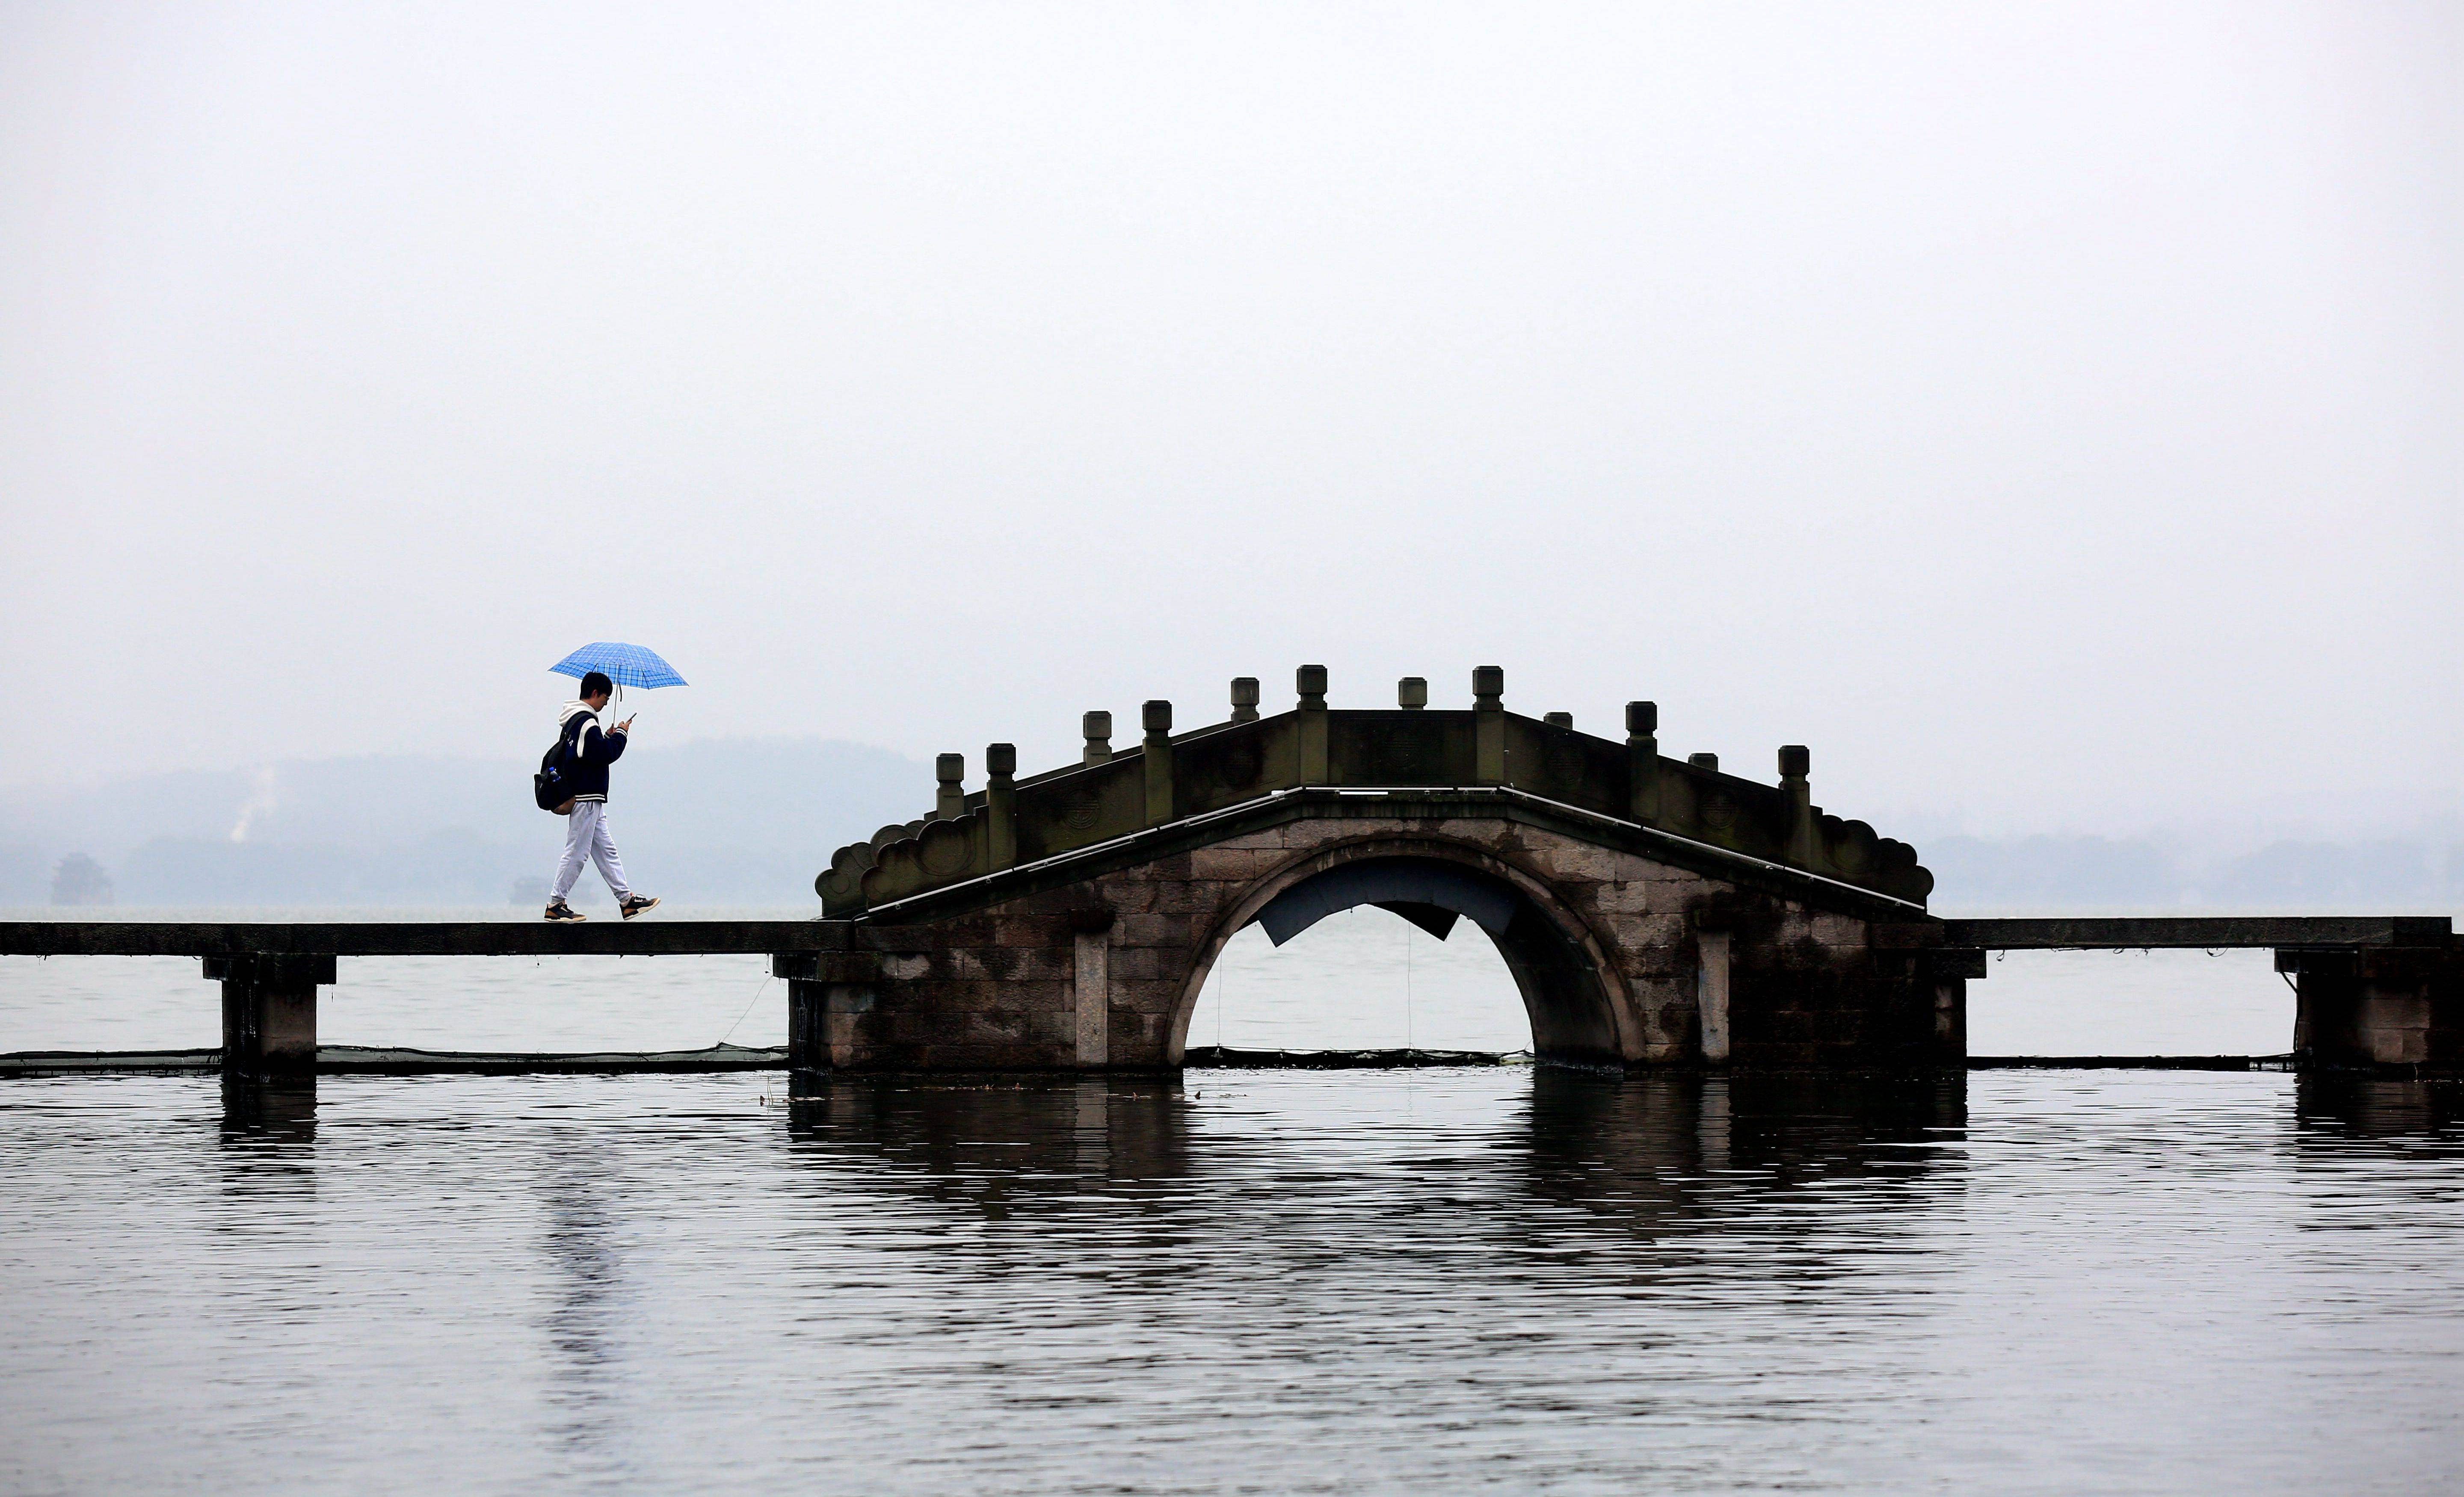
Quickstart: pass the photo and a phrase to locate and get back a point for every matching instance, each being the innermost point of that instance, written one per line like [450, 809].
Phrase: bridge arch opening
[1361, 979]
[1575, 1006]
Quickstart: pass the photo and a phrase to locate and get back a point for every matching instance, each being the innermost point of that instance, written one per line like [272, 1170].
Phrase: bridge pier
[829, 994]
[1711, 995]
[269, 1011]
[2378, 1006]
[1090, 987]
[1950, 969]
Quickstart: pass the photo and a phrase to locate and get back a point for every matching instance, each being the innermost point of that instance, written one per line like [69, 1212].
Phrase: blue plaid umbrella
[626, 665]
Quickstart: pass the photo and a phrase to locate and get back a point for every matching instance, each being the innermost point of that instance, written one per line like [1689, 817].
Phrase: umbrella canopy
[626, 665]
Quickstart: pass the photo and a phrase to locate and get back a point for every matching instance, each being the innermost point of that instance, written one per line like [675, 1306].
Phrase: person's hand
[627, 726]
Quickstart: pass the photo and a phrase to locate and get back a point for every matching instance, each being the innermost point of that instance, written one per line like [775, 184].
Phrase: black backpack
[549, 783]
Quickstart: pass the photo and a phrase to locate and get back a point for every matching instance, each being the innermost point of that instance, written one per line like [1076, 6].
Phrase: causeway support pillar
[269, 1011]
[2378, 1006]
[826, 992]
[1950, 969]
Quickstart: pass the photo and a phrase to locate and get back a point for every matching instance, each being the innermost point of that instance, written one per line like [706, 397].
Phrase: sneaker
[635, 904]
[559, 909]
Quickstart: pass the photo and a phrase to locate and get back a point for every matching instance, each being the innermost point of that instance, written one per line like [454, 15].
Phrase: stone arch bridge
[1653, 911]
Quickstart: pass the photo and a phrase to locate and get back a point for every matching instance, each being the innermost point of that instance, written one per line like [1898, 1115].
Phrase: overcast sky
[2048, 413]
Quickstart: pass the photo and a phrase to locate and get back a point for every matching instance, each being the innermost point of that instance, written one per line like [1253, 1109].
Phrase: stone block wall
[995, 988]
[2384, 1007]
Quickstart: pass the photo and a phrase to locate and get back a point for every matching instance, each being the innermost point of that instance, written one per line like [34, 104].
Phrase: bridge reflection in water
[1316, 1280]
[2340, 1107]
[1663, 1155]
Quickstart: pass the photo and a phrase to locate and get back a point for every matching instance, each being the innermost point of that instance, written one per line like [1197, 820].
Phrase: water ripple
[1287, 1282]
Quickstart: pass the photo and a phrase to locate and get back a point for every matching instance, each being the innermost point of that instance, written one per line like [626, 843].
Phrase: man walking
[588, 751]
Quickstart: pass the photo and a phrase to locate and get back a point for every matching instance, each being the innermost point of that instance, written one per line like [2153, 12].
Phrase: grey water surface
[1262, 1281]
[1501, 1277]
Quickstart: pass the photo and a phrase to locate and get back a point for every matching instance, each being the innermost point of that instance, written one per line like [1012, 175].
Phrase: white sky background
[2048, 413]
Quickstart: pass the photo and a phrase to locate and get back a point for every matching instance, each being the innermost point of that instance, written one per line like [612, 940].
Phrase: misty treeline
[751, 821]
[2085, 872]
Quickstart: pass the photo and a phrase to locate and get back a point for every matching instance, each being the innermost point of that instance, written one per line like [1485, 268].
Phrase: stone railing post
[1244, 698]
[1310, 682]
[1000, 803]
[1156, 749]
[952, 802]
[1098, 726]
[1412, 692]
[1804, 844]
[1642, 761]
[1488, 724]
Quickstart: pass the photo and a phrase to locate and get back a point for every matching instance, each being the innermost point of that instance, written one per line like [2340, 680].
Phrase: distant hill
[2079, 872]
[747, 821]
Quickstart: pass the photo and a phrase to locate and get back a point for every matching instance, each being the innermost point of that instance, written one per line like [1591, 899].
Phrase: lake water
[1496, 1277]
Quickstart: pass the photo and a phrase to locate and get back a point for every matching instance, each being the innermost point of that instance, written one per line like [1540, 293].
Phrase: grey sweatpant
[586, 839]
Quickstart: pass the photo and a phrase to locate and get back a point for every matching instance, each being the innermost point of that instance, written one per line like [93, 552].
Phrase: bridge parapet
[1174, 776]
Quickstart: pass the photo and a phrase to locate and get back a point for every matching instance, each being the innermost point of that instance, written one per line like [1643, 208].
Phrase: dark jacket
[588, 752]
